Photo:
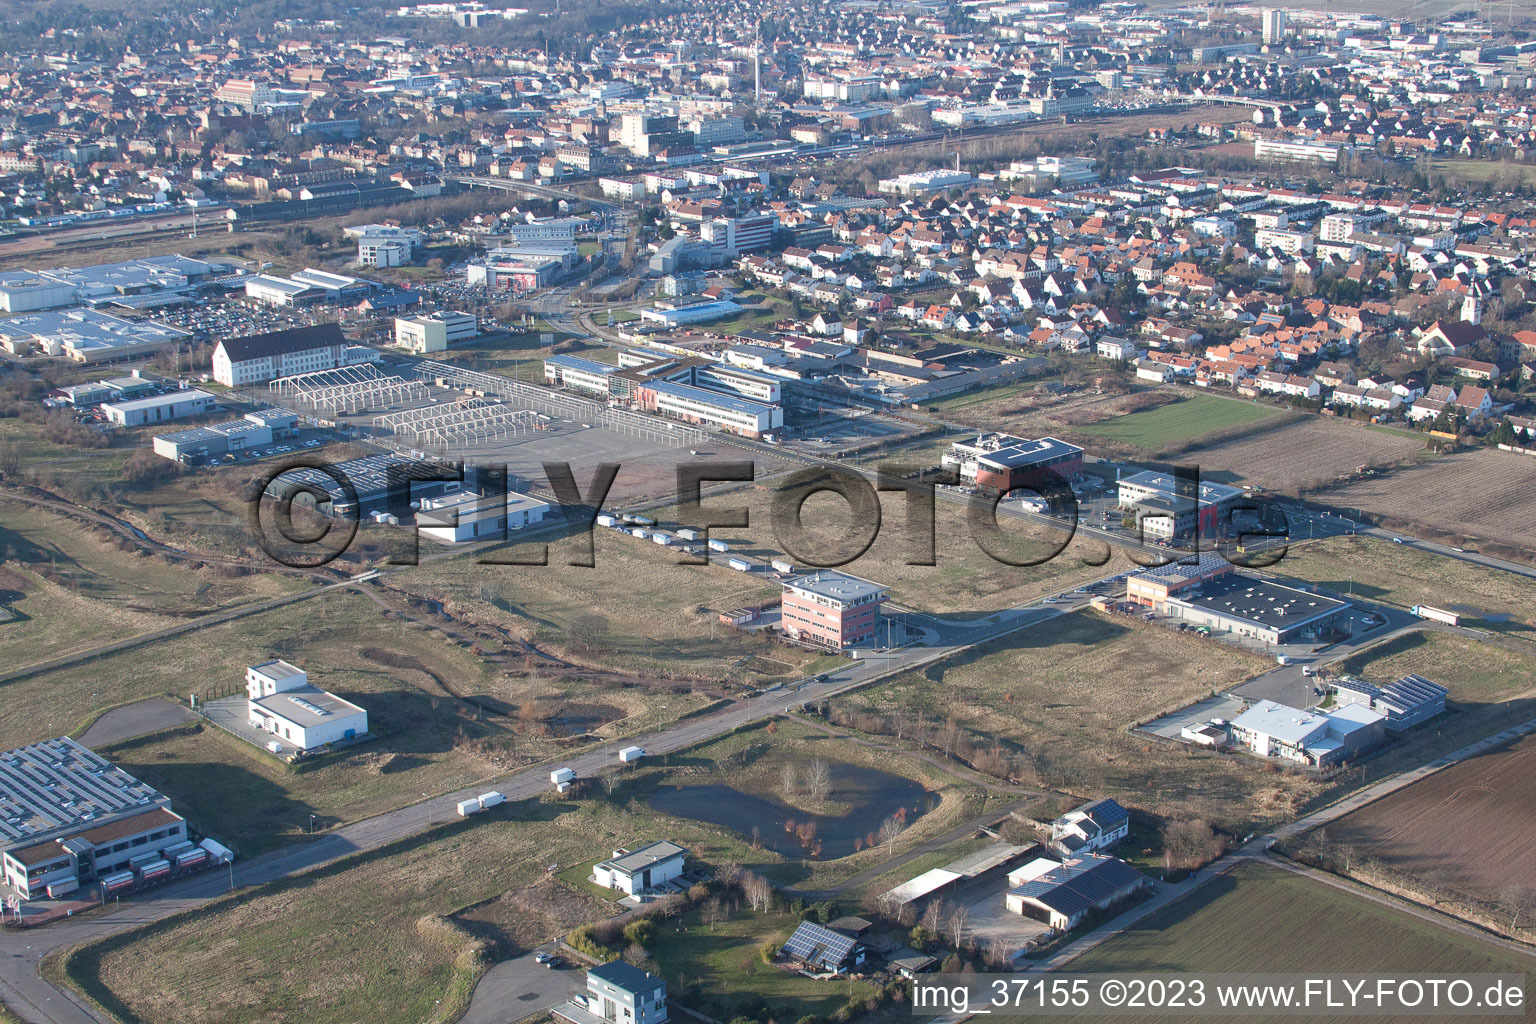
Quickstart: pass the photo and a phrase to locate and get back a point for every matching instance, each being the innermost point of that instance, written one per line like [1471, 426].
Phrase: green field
[1262, 918]
[1474, 672]
[724, 963]
[1498, 172]
[1181, 421]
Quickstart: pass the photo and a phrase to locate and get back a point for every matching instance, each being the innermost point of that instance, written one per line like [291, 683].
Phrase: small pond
[872, 796]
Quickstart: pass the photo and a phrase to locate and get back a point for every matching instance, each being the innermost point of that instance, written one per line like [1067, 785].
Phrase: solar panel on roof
[817, 944]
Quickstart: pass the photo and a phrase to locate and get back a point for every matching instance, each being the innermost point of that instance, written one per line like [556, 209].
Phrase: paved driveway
[516, 988]
[135, 719]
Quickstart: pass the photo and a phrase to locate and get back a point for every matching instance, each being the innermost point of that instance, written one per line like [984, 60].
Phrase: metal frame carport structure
[461, 423]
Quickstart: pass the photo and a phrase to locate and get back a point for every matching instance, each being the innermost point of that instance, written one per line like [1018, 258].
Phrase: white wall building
[158, 409]
[457, 518]
[637, 871]
[257, 358]
[281, 701]
[436, 331]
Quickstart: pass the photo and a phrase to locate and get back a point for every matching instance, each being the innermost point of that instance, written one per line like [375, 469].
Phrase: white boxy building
[638, 871]
[283, 703]
[466, 516]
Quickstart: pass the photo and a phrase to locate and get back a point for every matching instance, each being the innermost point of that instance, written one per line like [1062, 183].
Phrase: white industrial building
[1063, 894]
[69, 818]
[435, 332]
[159, 409]
[465, 516]
[385, 245]
[712, 408]
[637, 871]
[282, 702]
[1406, 703]
[581, 374]
[257, 358]
[281, 291]
[1313, 737]
[86, 335]
[252, 430]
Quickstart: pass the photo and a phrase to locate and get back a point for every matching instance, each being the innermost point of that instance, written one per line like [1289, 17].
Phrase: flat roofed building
[381, 483]
[832, 609]
[690, 404]
[281, 701]
[86, 335]
[637, 871]
[999, 463]
[435, 331]
[282, 291]
[1151, 587]
[257, 358]
[1318, 738]
[159, 409]
[581, 374]
[1162, 496]
[68, 814]
[1263, 609]
[465, 516]
[622, 994]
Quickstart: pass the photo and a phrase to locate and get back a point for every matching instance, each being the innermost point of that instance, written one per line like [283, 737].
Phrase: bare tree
[1189, 844]
[957, 920]
[933, 915]
[890, 830]
[588, 630]
[759, 892]
[789, 779]
[1517, 901]
[713, 909]
[728, 873]
[949, 736]
[818, 779]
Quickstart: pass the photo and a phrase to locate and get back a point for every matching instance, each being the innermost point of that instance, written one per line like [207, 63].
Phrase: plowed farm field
[1307, 452]
[1484, 494]
[1414, 832]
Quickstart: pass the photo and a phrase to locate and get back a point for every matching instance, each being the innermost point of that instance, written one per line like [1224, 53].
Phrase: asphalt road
[36, 1001]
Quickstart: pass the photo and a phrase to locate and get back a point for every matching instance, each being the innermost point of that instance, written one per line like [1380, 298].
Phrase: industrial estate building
[689, 389]
[258, 358]
[637, 871]
[138, 283]
[176, 405]
[69, 818]
[1317, 738]
[252, 430]
[832, 609]
[86, 335]
[380, 483]
[1062, 894]
[435, 332]
[998, 463]
[282, 702]
[1167, 508]
[1410, 701]
[1207, 591]
[466, 516]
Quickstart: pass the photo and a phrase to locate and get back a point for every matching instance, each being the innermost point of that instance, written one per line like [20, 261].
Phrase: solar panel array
[817, 944]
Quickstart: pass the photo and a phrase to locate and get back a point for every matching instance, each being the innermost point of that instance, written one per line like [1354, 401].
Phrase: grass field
[1398, 574]
[1186, 420]
[724, 962]
[1258, 917]
[79, 589]
[387, 957]
[1475, 673]
[1303, 453]
[1058, 697]
[1502, 173]
[413, 683]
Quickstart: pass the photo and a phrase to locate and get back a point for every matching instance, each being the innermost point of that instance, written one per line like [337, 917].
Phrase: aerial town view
[729, 512]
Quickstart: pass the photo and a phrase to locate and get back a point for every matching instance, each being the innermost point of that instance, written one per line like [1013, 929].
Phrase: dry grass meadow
[1062, 696]
[1302, 454]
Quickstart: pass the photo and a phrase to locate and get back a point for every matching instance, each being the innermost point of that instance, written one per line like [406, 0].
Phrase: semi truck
[492, 799]
[468, 807]
[562, 777]
[1425, 611]
[629, 754]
